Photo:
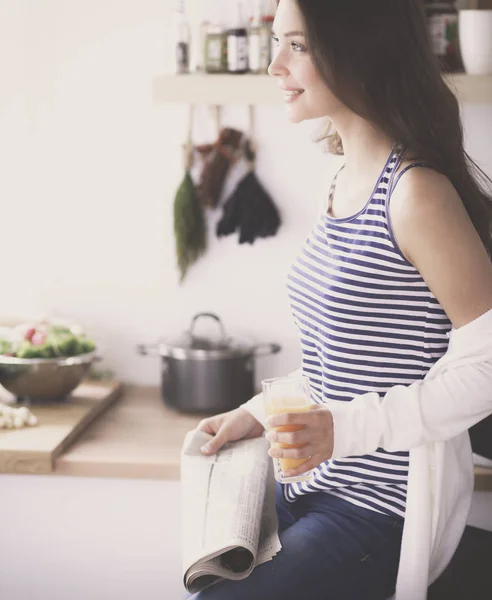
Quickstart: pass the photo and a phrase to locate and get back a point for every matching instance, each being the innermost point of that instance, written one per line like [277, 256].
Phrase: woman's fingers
[209, 425]
[303, 436]
[213, 426]
[304, 452]
[310, 463]
[216, 443]
[310, 417]
[307, 435]
[288, 419]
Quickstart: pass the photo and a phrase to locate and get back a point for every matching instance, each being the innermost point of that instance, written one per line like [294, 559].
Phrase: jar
[215, 50]
[442, 20]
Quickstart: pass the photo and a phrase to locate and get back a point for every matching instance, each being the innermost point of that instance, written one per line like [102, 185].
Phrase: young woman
[392, 297]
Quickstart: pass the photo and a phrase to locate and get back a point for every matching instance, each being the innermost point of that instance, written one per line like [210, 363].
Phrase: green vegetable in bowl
[6, 347]
[48, 341]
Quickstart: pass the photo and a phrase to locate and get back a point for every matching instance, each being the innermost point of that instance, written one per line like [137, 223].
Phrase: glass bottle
[268, 22]
[199, 46]
[237, 44]
[182, 38]
[259, 40]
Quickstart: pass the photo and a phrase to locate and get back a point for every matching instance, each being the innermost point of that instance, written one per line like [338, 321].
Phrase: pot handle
[148, 349]
[265, 349]
[212, 316]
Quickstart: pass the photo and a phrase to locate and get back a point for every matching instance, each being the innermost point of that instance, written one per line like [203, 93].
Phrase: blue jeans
[331, 550]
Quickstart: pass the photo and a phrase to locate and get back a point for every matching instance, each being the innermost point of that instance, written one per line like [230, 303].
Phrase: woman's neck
[366, 148]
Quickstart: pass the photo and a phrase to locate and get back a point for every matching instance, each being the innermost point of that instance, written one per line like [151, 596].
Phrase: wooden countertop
[138, 437]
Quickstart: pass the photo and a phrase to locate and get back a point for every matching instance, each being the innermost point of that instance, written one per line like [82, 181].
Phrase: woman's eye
[298, 47]
[275, 40]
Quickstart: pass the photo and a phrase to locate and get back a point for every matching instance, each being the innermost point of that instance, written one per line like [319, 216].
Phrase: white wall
[88, 171]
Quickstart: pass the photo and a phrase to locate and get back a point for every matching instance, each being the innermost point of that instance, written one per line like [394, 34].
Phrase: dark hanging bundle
[189, 222]
[218, 159]
[249, 209]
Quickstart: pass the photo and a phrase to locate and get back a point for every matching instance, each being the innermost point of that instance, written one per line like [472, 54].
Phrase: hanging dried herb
[250, 208]
[189, 225]
[218, 159]
[190, 230]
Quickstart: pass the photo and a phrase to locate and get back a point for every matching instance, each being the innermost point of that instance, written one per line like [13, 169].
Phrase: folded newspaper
[229, 518]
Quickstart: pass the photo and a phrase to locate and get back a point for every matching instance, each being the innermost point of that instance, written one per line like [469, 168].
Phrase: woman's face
[305, 94]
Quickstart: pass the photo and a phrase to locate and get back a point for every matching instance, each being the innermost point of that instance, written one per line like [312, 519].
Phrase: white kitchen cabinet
[81, 538]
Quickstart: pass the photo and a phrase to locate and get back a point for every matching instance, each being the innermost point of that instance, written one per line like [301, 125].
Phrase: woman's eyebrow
[290, 33]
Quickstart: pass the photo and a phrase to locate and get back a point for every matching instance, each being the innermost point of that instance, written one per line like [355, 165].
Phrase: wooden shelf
[262, 89]
[473, 89]
[217, 89]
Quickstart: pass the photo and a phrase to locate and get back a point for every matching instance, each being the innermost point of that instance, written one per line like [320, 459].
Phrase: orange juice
[284, 406]
[291, 394]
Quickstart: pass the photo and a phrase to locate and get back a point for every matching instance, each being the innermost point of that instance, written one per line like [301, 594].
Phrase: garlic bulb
[16, 418]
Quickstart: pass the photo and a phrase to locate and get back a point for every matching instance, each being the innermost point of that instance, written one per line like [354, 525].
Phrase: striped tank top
[367, 321]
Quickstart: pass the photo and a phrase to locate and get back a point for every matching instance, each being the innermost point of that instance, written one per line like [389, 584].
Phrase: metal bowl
[43, 379]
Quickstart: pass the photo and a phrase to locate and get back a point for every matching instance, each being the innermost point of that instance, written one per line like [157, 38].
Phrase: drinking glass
[287, 395]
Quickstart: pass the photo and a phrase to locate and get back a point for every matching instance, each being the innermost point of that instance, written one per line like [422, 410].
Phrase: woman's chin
[295, 116]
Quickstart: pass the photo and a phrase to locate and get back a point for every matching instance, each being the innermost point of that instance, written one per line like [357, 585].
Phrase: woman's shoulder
[430, 221]
[423, 191]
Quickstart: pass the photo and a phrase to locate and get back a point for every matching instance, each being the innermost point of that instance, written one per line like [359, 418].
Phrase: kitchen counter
[138, 437]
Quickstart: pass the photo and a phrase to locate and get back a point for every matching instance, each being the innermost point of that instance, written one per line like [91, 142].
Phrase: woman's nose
[277, 67]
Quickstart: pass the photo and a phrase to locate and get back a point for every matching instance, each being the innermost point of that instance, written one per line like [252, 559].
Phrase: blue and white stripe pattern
[367, 321]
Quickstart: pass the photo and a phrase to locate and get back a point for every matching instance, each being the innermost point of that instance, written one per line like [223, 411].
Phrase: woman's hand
[314, 441]
[237, 424]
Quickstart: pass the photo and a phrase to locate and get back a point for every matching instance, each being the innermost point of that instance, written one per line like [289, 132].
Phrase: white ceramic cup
[475, 34]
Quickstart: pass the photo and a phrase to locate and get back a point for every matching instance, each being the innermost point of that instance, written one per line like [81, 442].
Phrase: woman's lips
[291, 95]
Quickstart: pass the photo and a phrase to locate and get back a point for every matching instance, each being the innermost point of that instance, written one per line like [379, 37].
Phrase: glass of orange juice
[287, 395]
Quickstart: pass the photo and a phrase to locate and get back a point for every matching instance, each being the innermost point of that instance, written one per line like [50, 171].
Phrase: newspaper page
[229, 518]
[269, 543]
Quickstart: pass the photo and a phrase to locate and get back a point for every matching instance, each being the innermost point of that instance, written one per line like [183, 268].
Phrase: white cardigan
[430, 418]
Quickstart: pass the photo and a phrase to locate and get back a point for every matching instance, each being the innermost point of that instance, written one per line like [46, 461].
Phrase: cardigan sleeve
[455, 394]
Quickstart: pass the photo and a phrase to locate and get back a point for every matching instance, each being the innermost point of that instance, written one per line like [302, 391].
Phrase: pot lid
[191, 345]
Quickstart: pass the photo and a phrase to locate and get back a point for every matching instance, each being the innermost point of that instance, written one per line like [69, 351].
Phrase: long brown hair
[376, 57]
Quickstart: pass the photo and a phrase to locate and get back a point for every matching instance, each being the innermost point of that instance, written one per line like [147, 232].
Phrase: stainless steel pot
[201, 375]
